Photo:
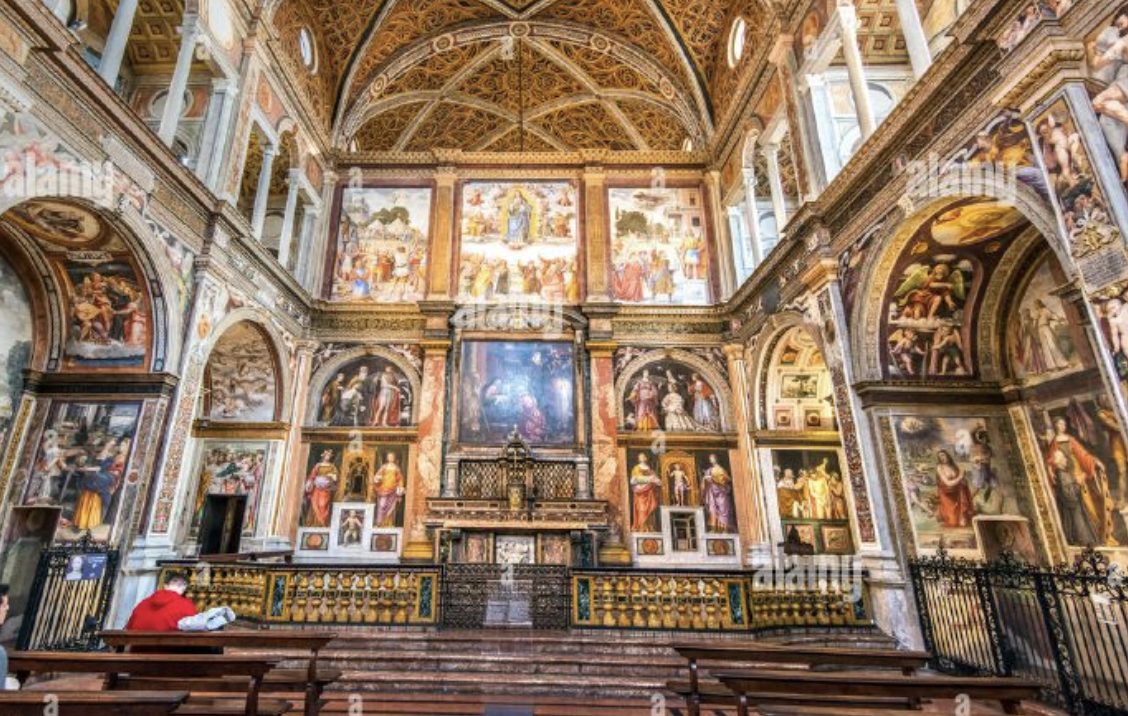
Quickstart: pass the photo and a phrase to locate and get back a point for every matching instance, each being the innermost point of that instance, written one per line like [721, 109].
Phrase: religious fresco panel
[232, 467]
[382, 245]
[798, 386]
[520, 241]
[15, 346]
[660, 246]
[353, 498]
[81, 464]
[370, 392]
[1044, 336]
[675, 478]
[1086, 463]
[528, 386]
[955, 470]
[932, 300]
[241, 377]
[672, 396]
[1107, 64]
[813, 506]
[1094, 239]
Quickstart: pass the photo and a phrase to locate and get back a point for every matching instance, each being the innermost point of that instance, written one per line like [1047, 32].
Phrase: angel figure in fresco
[387, 490]
[644, 398]
[386, 410]
[930, 289]
[955, 505]
[947, 352]
[716, 495]
[676, 419]
[320, 487]
[706, 407]
[645, 489]
[905, 348]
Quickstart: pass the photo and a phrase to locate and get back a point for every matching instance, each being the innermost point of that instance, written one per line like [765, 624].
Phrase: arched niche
[797, 447]
[675, 391]
[366, 387]
[107, 289]
[885, 271]
[242, 380]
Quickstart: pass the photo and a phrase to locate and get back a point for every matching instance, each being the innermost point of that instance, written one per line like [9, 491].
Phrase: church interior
[514, 356]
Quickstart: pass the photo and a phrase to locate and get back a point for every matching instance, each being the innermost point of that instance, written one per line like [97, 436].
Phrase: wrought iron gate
[70, 598]
[532, 596]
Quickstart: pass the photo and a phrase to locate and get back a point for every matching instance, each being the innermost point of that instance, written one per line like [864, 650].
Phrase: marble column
[751, 508]
[722, 234]
[443, 261]
[775, 183]
[174, 101]
[262, 194]
[595, 233]
[215, 135]
[916, 42]
[114, 52]
[824, 124]
[802, 148]
[609, 481]
[848, 26]
[752, 216]
[288, 218]
[310, 214]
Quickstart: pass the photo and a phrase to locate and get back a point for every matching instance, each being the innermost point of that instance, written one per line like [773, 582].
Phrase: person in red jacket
[164, 609]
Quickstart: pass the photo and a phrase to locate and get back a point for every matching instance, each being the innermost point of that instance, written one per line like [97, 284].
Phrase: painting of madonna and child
[369, 392]
[955, 471]
[527, 385]
[681, 479]
[519, 241]
[382, 236]
[659, 252]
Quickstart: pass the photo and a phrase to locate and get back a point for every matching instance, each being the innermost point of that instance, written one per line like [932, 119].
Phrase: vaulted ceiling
[501, 75]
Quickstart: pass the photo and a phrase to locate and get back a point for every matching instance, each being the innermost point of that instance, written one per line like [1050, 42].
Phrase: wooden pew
[1010, 692]
[251, 670]
[714, 693]
[729, 651]
[99, 703]
[311, 681]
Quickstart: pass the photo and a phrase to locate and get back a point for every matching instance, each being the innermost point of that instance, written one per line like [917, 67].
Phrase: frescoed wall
[81, 464]
[15, 346]
[370, 391]
[353, 500]
[933, 297]
[241, 377]
[382, 245]
[672, 396]
[519, 241]
[798, 389]
[1107, 55]
[955, 470]
[1044, 337]
[811, 495]
[237, 467]
[660, 251]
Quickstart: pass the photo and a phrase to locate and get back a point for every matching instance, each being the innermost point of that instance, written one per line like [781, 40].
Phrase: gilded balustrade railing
[616, 599]
[291, 594]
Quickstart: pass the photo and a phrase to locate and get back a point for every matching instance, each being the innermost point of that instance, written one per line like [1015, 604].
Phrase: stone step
[388, 704]
[492, 682]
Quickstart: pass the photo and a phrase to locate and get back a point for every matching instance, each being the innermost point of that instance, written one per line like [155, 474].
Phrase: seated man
[163, 610]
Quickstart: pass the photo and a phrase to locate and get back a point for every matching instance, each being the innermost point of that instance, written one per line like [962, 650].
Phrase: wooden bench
[252, 670]
[714, 693]
[787, 710]
[311, 680]
[1009, 692]
[729, 651]
[99, 703]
